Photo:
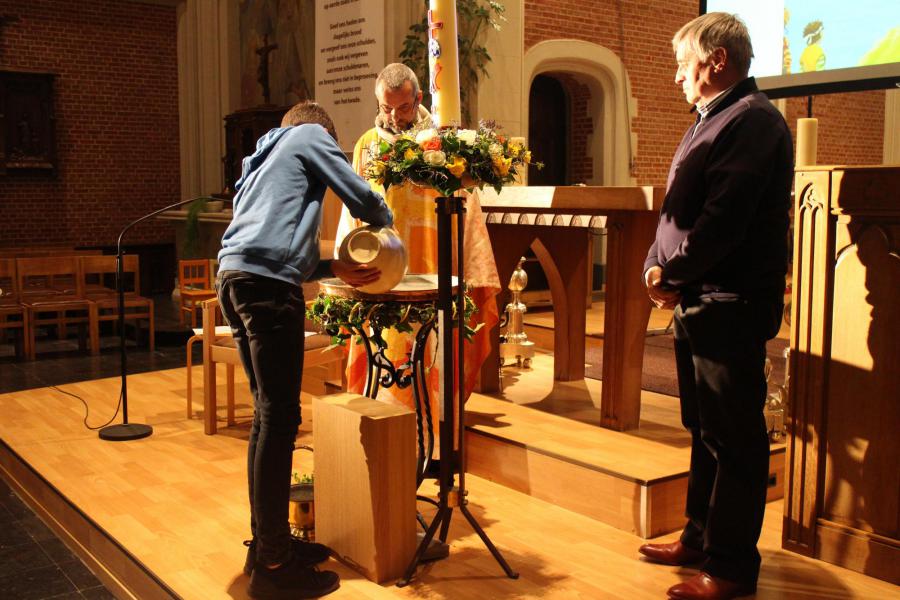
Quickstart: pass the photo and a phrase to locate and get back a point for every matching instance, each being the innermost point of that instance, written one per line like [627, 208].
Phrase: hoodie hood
[264, 146]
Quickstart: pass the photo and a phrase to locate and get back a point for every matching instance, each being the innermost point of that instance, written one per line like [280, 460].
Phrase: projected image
[804, 36]
[826, 35]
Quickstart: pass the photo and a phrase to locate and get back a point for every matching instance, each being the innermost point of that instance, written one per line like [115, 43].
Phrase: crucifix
[262, 73]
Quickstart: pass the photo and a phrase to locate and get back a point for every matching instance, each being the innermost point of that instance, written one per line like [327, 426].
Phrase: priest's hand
[660, 297]
[355, 274]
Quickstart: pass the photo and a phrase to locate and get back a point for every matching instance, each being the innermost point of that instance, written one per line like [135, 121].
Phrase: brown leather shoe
[675, 554]
[706, 587]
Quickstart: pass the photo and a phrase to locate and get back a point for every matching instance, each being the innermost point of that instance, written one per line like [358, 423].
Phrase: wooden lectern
[555, 222]
[842, 497]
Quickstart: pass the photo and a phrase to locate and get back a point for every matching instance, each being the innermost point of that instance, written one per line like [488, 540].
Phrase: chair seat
[198, 294]
[55, 302]
[113, 302]
[316, 340]
[221, 330]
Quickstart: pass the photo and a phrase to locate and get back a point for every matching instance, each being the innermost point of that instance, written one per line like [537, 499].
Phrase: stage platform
[164, 517]
[543, 438]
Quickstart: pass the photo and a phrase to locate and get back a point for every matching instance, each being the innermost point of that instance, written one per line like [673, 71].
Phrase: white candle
[807, 142]
[443, 63]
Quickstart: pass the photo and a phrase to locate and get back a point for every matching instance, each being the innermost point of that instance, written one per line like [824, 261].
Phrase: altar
[556, 223]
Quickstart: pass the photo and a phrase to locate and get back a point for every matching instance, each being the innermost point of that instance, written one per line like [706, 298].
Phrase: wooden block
[365, 492]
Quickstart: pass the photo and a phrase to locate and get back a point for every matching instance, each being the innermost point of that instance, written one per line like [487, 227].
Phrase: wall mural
[277, 51]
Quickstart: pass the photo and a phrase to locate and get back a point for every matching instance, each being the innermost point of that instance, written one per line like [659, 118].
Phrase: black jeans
[720, 351]
[267, 319]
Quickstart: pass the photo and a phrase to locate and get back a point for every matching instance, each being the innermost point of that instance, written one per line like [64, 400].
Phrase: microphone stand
[130, 431]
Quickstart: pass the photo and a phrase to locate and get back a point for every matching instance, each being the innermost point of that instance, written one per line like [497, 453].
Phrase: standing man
[400, 111]
[269, 249]
[719, 259]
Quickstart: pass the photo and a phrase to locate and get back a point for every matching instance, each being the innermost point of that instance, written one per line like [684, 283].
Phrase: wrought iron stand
[452, 473]
[381, 372]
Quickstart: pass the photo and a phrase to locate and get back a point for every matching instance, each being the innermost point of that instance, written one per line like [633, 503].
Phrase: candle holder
[452, 468]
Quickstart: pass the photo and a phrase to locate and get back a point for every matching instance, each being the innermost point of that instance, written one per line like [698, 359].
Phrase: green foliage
[192, 227]
[474, 17]
[301, 479]
[339, 316]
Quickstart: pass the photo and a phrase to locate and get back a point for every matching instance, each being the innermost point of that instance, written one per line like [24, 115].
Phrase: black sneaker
[310, 553]
[293, 579]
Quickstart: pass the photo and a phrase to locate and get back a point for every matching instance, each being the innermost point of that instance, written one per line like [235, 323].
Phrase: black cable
[87, 409]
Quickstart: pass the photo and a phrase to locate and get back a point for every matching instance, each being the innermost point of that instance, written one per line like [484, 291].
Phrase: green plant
[339, 316]
[473, 19]
[302, 479]
[192, 227]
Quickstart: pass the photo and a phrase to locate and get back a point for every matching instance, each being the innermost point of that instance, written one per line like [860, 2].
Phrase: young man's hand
[355, 274]
[660, 297]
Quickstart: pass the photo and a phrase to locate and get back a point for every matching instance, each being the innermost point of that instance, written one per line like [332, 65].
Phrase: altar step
[543, 438]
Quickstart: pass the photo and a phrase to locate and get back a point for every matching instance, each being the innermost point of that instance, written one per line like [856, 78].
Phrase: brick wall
[116, 120]
[851, 125]
[581, 128]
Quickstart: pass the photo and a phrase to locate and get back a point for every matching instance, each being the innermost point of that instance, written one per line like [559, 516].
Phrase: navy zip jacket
[723, 227]
[278, 206]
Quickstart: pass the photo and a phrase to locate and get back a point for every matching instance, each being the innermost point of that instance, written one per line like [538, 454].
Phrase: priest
[400, 109]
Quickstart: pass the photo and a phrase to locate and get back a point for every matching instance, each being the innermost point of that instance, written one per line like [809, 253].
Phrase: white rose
[434, 158]
[425, 135]
[495, 150]
[467, 136]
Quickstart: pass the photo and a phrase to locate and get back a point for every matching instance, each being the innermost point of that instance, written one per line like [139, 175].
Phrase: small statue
[262, 72]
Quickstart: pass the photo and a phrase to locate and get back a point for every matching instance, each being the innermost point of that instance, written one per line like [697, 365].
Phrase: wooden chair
[221, 349]
[98, 274]
[40, 298]
[221, 331]
[195, 286]
[13, 316]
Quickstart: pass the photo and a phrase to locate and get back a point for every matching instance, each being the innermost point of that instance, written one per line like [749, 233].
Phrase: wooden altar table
[556, 223]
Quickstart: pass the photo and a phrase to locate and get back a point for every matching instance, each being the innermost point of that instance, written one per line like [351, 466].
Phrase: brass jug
[302, 511]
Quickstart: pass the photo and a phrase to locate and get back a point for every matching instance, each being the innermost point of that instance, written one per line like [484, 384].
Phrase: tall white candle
[443, 63]
[807, 142]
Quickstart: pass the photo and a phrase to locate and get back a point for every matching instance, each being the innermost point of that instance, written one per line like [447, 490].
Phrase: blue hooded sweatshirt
[278, 205]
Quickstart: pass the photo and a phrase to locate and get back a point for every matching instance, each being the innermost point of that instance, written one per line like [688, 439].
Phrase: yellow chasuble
[416, 222]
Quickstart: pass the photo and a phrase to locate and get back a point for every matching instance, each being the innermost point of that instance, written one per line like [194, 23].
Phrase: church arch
[611, 106]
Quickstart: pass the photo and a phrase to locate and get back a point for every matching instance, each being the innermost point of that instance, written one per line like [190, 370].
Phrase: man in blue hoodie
[270, 248]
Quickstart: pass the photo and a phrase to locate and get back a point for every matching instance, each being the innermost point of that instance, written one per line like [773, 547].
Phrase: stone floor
[34, 563]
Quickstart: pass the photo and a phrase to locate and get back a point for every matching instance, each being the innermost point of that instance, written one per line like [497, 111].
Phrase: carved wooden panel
[812, 239]
[842, 501]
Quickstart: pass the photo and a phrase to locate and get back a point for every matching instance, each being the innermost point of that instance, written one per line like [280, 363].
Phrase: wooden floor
[595, 315]
[176, 502]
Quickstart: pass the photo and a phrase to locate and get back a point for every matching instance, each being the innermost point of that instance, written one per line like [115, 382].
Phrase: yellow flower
[502, 165]
[457, 166]
[410, 154]
[515, 149]
[527, 157]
